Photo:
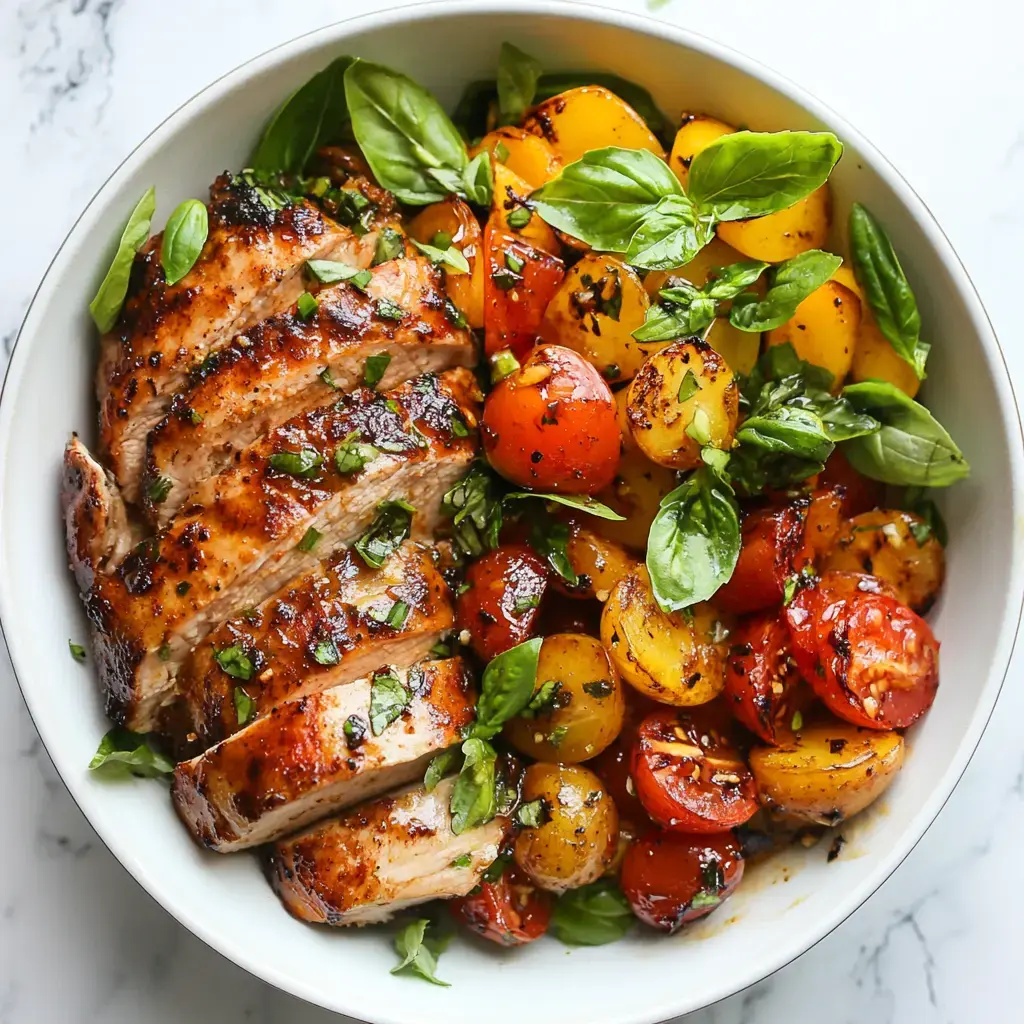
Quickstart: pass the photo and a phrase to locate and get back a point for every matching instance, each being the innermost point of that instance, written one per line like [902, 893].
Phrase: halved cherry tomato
[511, 911]
[822, 524]
[859, 493]
[688, 775]
[671, 879]
[551, 425]
[500, 601]
[519, 282]
[871, 659]
[762, 686]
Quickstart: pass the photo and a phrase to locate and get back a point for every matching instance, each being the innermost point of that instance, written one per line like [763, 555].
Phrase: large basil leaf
[839, 418]
[418, 951]
[669, 236]
[580, 502]
[311, 117]
[409, 142]
[779, 448]
[694, 541]
[106, 306]
[506, 687]
[751, 174]
[549, 537]
[474, 798]
[888, 291]
[122, 752]
[791, 283]
[604, 196]
[912, 448]
[518, 74]
[779, 364]
[184, 238]
[592, 915]
[729, 281]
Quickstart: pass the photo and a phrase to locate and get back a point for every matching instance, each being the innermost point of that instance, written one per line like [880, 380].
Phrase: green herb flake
[788, 590]
[77, 652]
[164, 652]
[390, 245]
[122, 752]
[307, 305]
[305, 463]
[798, 722]
[352, 455]
[514, 263]
[441, 650]
[557, 735]
[543, 699]
[309, 540]
[195, 417]
[464, 861]
[183, 588]
[334, 272]
[158, 490]
[388, 310]
[355, 731]
[599, 689]
[389, 529]
[531, 815]
[328, 378]
[244, 706]
[388, 699]
[689, 387]
[325, 652]
[235, 662]
[519, 217]
[397, 615]
[374, 368]
[454, 315]
[525, 604]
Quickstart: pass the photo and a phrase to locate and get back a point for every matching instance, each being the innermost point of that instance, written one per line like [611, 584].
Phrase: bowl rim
[1009, 411]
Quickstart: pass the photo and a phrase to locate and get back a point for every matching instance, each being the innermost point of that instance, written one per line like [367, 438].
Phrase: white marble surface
[938, 85]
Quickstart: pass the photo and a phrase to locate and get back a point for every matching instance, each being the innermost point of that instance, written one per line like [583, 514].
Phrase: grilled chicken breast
[267, 520]
[325, 752]
[287, 364]
[332, 625]
[373, 861]
[250, 268]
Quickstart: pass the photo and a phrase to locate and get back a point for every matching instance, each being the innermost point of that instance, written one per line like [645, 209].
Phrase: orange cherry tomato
[762, 685]
[551, 425]
[519, 282]
[688, 775]
[500, 600]
[671, 879]
[870, 659]
[859, 493]
[511, 911]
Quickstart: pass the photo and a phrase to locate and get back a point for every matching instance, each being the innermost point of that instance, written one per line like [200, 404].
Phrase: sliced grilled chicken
[251, 267]
[335, 624]
[287, 364]
[379, 858]
[261, 523]
[314, 756]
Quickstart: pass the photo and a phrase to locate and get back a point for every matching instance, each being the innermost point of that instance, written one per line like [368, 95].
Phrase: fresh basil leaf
[791, 283]
[543, 699]
[673, 320]
[123, 752]
[779, 448]
[390, 245]
[352, 455]
[333, 271]
[452, 258]
[916, 500]
[441, 765]
[781, 363]
[388, 699]
[409, 142]
[106, 306]
[518, 74]
[888, 291]
[305, 463]
[604, 196]
[354, 729]
[580, 502]
[244, 705]
[235, 662]
[306, 305]
[478, 180]
[388, 310]
[669, 236]
[727, 282]
[752, 174]
[309, 539]
[911, 449]
[592, 915]
[77, 652]
[311, 117]
[550, 539]
[325, 652]
[389, 529]
[506, 687]
[418, 955]
[474, 798]
[375, 367]
[474, 505]
[688, 388]
[840, 420]
[184, 238]
[532, 814]
[694, 541]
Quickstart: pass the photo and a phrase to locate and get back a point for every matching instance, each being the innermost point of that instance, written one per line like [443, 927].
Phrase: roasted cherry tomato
[772, 541]
[510, 911]
[551, 425]
[519, 282]
[859, 493]
[689, 776]
[872, 660]
[671, 879]
[762, 686]
[500, 601]
[557, 615]
[823, 523]
[613, 767]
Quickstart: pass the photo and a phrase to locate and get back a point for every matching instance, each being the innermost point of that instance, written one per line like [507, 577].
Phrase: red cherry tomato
[500, 600]
[688, 775]
[671, 879]
[871, 659]
[510, 911]
[859, 493]
[762, 686]
[519, 282]
[551, 425]
[822, 523]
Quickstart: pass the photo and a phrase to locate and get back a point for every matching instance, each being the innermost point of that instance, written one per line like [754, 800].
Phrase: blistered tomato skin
[689, 777]
[671, 879]
[869, 658]
[510, 911]
[859, 493]
[500, 601]
[551, 425]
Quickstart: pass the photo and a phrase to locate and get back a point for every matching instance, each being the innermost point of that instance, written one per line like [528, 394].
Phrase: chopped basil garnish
[122, 752]
[389, 529]
[388, 699]
[244, 705]
[77, 651]
[454, 315]
[464, 861]
[531, 815]
[397, 615]
[309, 540]
[519, 217]
[474, 799]
[352, 455]
[333, 272]
[158, 490]
[305, 463]
[235, 662]
[325, 652]
[388, 310]
[440, 766]
[374, 368]
[390, 245]
[355, 731]
[307, 305]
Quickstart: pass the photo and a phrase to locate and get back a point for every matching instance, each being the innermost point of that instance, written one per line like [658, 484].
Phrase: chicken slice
[261, 523]
[251, 267]
[333, 625]
[318, 755]
[382, 857]
[286, 365]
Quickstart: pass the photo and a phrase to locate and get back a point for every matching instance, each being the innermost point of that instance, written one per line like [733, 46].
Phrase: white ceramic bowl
[224, 900]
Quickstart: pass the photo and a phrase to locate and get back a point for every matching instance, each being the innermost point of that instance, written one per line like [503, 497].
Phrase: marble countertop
[937, 85]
